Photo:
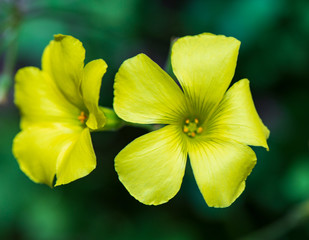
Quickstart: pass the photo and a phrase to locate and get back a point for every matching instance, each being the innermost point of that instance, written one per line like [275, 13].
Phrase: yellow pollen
[199, 130]
[185, 129]
[192, 128]
[82, 117]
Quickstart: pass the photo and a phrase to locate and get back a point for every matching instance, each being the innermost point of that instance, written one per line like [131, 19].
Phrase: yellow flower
[59, 108]
[203, 120]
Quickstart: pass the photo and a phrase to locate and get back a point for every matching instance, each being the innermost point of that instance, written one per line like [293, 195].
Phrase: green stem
[279, 228]
[149, 127]
[113, 122]
[6, 78]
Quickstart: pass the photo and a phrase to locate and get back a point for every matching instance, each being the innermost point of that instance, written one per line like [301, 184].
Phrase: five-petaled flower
[59, 108]
[204, 120]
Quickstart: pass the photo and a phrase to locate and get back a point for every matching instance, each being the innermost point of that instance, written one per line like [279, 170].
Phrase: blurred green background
[274, 56]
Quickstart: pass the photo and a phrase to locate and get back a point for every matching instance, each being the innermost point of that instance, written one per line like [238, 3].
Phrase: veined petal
[236, 118]
[40, 149]
[78, 161]
[144, 93]
[63, 60]
[91, 86]
[39, 99]
[220, 169]
[205, 65]
[152, 166]
[37, 150]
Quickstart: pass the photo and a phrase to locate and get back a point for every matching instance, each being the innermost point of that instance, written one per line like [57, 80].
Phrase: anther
[191, 127]
[199, 130]
[185, 129]
[82, 117]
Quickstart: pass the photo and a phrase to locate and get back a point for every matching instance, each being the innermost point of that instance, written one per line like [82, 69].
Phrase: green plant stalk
[281, 227]
[114, 123]
[6, 78]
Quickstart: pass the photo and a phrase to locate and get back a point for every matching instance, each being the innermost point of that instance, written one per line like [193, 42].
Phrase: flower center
[82, 117]
[191, 128]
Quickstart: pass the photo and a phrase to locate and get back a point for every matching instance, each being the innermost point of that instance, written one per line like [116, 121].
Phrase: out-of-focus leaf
[295, 185]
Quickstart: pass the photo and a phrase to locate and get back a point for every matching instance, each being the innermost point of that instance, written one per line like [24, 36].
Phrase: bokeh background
[274, 55]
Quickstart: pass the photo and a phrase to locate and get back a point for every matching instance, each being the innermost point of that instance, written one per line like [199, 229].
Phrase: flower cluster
[202, 119]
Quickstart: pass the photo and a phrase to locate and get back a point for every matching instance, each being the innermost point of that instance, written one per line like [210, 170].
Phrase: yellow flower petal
[77, 161]
[46, 150]
[205, 65]
[37, 149]
[236, 118]
[63, 60]
[152, 166]
[91, 86]
[39, 99]
[144, 93]
[220, 169]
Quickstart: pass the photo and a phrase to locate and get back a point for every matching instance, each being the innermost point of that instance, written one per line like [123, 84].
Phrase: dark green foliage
[274, 56]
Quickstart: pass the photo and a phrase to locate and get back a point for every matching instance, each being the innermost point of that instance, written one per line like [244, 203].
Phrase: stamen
[191, 128]
[199, 130]
[185, 129]
[82, 117]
